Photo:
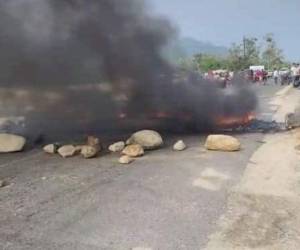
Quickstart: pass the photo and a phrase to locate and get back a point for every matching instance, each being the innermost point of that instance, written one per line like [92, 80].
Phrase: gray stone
[67, 151]
[134, 150]
[222, 143]
[148, 139]
[117, 147]
[89, 151]
[179, 146]
[125, 159]
[51, 148]
[11, 143]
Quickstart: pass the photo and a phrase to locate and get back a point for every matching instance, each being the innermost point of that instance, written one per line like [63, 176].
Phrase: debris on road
[222, 143]
[10, 143]
[125, 159]
[148, 139]
[94, 142]
[179, 146]
[51, 148]
[89, 151]
[67, 151]
[117, 147]
[134, 150]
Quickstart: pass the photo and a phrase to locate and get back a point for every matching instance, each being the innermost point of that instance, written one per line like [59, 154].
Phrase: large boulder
[222, 143]
[134, 150]
[67, 151]
[11, 143]
[148, 139]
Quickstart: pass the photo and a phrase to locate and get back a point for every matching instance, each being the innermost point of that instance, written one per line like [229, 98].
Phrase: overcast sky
[226, 21]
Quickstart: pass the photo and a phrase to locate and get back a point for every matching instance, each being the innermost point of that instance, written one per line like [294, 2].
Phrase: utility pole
[244, 50]
[244, 46]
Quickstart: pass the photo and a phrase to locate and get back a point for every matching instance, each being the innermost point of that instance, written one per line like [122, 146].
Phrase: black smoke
[79, 65]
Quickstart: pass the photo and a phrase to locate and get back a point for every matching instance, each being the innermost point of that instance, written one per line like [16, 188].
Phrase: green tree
[209, 62]
[272, 56]
[236, 57]
[243, 55]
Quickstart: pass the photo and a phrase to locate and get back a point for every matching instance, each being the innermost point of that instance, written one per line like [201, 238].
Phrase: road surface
[166, 200]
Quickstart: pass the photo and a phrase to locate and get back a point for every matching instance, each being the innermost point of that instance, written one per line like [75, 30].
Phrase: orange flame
[232, 121]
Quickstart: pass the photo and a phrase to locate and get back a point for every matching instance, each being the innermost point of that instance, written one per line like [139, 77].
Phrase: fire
[233, 121]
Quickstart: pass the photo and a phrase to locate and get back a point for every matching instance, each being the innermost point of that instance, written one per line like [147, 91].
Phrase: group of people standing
[288, 76]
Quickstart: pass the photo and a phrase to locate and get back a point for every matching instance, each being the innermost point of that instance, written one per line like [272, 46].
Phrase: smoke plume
[82, 65]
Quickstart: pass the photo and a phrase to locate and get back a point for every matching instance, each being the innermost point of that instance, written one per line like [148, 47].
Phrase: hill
[187, 47]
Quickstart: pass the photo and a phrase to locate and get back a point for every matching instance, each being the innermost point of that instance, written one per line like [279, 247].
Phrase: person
[294, 70]
[296, 79]
[298, 70]
[276, 76]
[265, 77]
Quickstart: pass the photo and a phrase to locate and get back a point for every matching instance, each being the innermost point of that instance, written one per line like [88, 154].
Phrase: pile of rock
[88, 150]
[136, 145]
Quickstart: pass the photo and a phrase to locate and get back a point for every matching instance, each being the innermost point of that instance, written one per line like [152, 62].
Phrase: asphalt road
[165, 200]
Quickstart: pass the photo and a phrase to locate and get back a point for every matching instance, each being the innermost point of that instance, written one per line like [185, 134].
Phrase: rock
[94, 142]
[51, 148]
[222, 143]
[67, 151]
[179, 146]
[148, 139]
[78, 148]
[89, 151]
[134, 150]
[125, 159]
[117, 147]
[11, 143]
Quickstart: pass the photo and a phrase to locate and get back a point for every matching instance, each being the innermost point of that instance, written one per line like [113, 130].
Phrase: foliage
[243, 55]
[240, 57]
[272, 56]
[209, 62]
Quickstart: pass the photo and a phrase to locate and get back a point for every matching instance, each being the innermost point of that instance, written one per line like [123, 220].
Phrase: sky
[224, 22]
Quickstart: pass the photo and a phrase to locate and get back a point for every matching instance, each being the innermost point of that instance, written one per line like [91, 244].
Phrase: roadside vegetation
[250, 51]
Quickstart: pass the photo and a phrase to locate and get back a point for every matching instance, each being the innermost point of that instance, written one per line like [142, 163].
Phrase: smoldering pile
[78, 67]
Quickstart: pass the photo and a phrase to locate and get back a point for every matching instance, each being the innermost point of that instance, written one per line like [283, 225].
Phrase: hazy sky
[226, 21]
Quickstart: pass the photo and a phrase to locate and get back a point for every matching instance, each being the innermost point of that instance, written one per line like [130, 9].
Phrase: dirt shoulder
[263, 210]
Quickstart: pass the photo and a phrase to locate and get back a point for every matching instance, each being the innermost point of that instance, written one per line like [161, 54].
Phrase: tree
[236, 58]
[243, 55]
[272, 56]
[209, 62]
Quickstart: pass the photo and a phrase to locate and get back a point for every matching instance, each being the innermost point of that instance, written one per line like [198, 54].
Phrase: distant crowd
[258, 74]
